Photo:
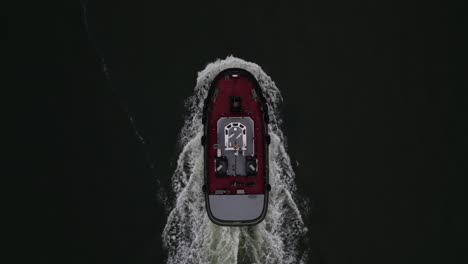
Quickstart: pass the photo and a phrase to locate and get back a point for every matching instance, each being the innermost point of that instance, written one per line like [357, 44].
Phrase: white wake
[189, 236]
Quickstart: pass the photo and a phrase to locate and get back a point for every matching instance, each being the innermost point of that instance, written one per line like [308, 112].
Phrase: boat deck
[236, 139]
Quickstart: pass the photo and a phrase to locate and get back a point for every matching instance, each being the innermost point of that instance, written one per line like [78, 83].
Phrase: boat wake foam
[189, 236]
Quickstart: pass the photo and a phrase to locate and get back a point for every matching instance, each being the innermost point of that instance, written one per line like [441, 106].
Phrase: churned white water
[189, 236]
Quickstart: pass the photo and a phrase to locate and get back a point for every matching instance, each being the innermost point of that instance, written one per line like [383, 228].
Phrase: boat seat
[251, 166]
[221, 166]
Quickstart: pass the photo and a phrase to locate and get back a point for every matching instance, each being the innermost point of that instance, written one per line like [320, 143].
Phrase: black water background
[368, 112]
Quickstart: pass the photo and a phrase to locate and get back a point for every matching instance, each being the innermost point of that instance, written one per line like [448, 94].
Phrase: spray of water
[189, 236]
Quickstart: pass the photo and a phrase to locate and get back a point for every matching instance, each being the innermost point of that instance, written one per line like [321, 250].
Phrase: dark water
[366, 116]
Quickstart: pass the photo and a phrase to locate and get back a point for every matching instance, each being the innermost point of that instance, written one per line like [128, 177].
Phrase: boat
[235, 142]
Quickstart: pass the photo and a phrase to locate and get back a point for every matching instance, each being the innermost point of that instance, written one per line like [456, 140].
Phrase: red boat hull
[235, 143]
